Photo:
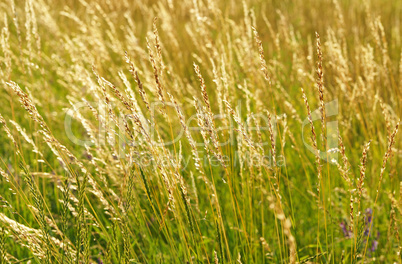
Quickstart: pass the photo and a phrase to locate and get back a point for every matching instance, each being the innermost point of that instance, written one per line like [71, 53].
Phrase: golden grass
[175, 131]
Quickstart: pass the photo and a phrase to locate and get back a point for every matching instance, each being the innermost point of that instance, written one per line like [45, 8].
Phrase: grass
[200, 131]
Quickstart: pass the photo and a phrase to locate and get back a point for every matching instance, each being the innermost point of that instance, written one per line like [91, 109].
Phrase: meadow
[254, 131]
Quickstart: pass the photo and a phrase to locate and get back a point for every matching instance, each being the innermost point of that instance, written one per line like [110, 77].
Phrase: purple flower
[88, 155]
[374, 245]
[367, 219]
[369, 214]
[345, 229]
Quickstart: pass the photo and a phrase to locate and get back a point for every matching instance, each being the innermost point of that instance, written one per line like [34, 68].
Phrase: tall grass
[200, 131]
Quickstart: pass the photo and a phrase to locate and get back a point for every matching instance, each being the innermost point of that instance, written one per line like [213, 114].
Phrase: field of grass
[254, 131]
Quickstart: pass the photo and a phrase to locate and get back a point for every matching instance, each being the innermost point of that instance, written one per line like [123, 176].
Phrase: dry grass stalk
[9, 134]
[363, 166]
[263, 63]
[5, 45]
[272, 137]
[345, 172]
[242, 130]
[208, 123]
[29, 106]
[276, 207]
[191, 141]
[320, 86]
[158, 81]
[134, 73]
[388, 152]
[216, 260]
[314, 141]
[158, 46]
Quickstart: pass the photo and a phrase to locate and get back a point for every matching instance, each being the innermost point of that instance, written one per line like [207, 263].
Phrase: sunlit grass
[200, 131]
